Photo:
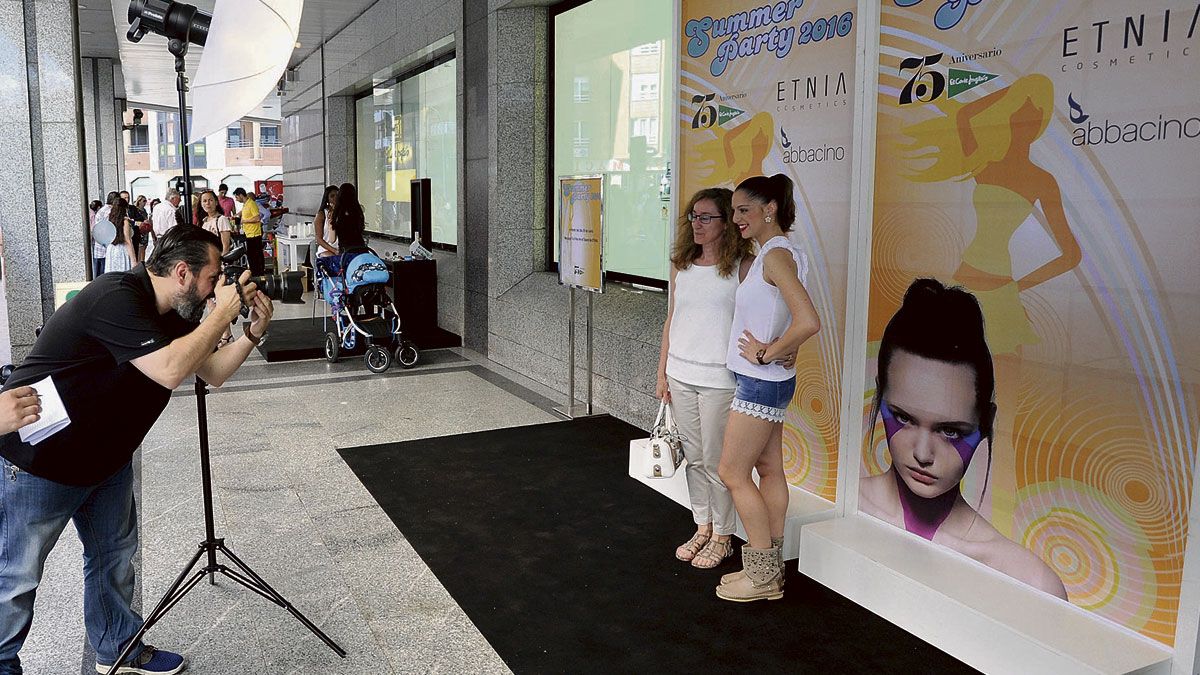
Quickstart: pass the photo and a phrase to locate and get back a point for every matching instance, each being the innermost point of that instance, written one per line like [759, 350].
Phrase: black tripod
[208, 549]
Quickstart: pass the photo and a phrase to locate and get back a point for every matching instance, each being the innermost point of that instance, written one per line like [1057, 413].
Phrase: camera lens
[286, 288]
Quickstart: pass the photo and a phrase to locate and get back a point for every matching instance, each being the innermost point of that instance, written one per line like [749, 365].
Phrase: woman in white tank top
[707, 260]
[773, 316]
[326, 237]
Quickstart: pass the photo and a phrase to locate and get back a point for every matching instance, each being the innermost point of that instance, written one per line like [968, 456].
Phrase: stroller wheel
[378, 359]
[331, 346]
[407, 354]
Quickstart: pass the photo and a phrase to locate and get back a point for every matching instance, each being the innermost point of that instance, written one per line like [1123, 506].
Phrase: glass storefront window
[408, 130]
[613, 72]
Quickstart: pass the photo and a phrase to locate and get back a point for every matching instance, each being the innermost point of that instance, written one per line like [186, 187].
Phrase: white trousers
[701, 414]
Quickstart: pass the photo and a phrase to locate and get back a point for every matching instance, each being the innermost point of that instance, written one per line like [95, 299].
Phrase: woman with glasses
[707, 262]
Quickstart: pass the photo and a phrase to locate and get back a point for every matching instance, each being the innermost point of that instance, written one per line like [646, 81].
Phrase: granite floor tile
[287, 504]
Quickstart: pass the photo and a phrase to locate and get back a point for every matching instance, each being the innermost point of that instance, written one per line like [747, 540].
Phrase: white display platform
[989, 621]
[803, 507]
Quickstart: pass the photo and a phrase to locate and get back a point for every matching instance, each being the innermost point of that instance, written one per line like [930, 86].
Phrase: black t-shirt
[86, 347]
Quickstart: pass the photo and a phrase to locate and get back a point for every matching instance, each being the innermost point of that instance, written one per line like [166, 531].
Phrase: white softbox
[248, 47]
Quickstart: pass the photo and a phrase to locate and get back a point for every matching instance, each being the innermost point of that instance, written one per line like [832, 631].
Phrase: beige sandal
[686, 552]
[713, 554]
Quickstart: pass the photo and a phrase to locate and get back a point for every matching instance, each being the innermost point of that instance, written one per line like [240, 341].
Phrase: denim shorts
[763, 399]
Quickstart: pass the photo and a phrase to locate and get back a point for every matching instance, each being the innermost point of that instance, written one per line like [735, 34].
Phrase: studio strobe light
[172, 20]
[184, 25]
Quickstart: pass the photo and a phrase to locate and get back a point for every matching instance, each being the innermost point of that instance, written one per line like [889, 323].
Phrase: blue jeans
[33, 513]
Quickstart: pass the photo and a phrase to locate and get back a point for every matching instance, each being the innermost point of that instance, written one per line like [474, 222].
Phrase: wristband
[759, 357]
[250, 336]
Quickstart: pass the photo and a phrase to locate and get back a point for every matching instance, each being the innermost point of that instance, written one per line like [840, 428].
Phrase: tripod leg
[168, 600]
[265, 589]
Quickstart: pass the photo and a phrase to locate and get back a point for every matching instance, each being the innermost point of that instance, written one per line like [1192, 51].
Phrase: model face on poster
[934, 396]
[928, 409]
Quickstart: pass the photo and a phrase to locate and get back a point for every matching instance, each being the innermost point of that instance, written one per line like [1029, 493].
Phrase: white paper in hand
[54, 416]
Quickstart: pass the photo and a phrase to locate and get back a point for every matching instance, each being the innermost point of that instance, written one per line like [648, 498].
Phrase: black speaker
[422, 212]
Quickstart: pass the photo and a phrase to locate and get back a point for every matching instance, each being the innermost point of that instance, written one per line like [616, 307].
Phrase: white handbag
[664, 449]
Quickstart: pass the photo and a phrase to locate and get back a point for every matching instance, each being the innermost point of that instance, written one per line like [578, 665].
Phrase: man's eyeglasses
[703, 218]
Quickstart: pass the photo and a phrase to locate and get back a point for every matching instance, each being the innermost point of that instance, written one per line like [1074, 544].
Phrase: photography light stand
[240, 572]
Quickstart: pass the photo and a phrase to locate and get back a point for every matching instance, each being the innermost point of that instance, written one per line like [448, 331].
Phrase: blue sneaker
[150, 662]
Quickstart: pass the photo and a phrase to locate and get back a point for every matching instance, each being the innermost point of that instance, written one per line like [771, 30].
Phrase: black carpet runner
[567, 565]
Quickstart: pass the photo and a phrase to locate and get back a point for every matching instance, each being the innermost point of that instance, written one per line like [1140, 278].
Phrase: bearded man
[114, 353]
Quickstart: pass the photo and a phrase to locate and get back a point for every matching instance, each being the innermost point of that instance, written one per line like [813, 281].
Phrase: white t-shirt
[163, 218]
[221, 224]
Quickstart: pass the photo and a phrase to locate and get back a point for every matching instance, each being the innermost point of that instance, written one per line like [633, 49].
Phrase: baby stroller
[354, 284]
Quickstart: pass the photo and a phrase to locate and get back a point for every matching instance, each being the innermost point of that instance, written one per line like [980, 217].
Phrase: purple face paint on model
[924, 515]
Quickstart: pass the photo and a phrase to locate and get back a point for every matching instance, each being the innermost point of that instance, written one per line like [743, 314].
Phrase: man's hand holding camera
[228, 303]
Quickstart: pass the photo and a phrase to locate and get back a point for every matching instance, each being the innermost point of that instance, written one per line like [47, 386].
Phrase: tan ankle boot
[761, 579]
[777, 544]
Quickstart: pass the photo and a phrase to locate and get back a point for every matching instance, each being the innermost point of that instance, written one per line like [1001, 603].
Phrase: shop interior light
[236, 74]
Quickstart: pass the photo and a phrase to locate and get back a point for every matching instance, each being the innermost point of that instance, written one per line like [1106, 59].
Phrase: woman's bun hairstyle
[943, 324]
[779, 189]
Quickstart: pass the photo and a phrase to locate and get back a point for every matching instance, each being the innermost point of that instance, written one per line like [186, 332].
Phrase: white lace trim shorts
[764, 399]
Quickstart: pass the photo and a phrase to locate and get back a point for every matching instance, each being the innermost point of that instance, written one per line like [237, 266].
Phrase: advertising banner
[1042, 158]
[581, 236]
[767, 88]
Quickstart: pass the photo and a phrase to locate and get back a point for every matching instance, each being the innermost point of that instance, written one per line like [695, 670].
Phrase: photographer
[125, 338]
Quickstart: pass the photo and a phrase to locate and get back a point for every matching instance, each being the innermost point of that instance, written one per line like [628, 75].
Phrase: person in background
[347, 219]
[228, 206]
[102, 214]
[137, 216]
[98, 249]
[773, 317]
[213, 219]
[327, 240]
[162, 219]
[120, 256]
[707, 262]
[264, 209]
[252, 228]
[196, 209]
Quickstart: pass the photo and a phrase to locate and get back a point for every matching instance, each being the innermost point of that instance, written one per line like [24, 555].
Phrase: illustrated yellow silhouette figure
[735, 154]
[989, 140]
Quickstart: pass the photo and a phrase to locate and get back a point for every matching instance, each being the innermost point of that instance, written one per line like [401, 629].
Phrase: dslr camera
[286, 287]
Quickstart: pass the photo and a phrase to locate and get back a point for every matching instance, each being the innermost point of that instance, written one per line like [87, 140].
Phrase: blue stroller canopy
[365, 268]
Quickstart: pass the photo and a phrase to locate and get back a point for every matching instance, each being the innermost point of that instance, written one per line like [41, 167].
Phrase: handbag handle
[663, 410]
[664, 425]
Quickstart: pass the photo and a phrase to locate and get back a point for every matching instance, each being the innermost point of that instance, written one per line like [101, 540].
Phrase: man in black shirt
[113, 352]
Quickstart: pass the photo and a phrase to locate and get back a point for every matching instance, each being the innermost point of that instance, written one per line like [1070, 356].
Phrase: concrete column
[339, 140]
[42, 208]
[477, 149]
[102, 121]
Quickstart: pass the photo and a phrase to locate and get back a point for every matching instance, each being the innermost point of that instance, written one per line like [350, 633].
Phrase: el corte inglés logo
[965, 80]
[726, 114]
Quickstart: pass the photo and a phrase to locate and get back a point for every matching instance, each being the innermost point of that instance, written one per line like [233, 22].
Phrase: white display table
[290, 255]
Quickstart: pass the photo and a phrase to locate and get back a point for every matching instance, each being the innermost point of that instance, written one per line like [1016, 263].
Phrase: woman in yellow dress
[989, 140]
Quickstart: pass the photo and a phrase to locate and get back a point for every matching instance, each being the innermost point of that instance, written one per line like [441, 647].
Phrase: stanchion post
[571, 357]
[591, 298]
